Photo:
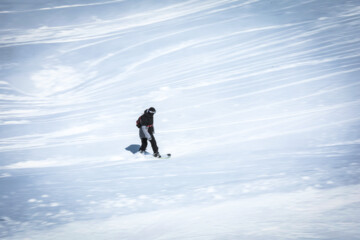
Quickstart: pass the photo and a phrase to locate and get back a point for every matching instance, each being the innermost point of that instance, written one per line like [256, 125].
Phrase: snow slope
[258, 102]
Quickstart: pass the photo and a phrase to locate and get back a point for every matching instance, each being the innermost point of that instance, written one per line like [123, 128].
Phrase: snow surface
[258, 101]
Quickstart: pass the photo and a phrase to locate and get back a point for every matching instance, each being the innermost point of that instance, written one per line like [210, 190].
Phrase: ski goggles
[153, 112]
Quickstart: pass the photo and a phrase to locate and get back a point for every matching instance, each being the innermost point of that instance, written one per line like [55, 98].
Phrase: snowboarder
[146, 131]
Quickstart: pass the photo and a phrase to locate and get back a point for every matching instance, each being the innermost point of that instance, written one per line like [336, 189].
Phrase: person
[146, 131]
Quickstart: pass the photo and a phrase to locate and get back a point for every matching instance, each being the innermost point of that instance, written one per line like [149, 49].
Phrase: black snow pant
[144, 144]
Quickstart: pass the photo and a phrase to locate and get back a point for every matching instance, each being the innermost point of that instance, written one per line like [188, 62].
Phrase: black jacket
[147, 119]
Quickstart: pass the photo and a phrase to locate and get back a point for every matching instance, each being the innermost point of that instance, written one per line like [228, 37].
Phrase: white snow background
[257, 100]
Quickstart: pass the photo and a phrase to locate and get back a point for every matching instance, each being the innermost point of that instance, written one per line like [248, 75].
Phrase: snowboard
[164, 156]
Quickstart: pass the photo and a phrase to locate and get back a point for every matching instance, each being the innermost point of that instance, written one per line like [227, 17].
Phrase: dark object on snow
[134, 148]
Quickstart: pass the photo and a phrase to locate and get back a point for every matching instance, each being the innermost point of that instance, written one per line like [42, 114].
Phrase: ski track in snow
[257, 101]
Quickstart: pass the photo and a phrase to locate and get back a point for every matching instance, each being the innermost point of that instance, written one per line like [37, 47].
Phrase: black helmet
[151, 110]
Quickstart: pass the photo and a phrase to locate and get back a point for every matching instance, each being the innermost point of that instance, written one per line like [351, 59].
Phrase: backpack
[138, 122]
